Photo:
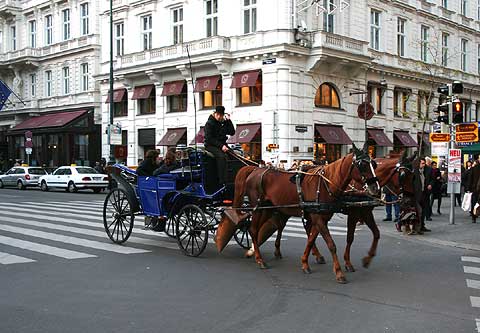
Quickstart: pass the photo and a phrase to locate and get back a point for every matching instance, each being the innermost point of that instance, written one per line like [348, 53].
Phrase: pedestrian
[428, 169]
[436, 187]
[423, 185]
[391, 199]
[99, 168]
[148, 166]
[474, 186]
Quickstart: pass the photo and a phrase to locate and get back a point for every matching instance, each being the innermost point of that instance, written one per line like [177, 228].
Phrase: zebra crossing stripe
[7, 259]
[52, 209]
[75, 204]
[475, 284]
[291, 234]
[471, 259]
[45, 249]
[79, 215]
[475, 301]
[471, 270]
[478, 325]
[73, 240]
[302, 229]
[62, 207]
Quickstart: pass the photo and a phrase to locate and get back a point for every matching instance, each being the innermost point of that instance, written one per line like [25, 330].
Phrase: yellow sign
[439, 137]
[466, 132]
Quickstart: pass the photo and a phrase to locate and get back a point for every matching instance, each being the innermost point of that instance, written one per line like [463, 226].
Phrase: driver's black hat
[220, 109]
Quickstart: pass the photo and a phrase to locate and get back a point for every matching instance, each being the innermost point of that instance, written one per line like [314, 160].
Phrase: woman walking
[436, 187]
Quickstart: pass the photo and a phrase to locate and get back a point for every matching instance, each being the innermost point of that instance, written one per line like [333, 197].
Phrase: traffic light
[444, 90]
[457, 87]
[442, 111]
[451, 88]
[457, 112]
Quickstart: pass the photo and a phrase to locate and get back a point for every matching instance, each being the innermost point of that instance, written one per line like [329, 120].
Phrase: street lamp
[110, 92]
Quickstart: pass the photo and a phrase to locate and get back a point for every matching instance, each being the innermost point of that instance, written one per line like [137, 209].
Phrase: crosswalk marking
[7, 259]
[478, 325]
[51, 210]
[473, 284]
[475, 301]
[62, 207]
[471, 259]
[79, 215]
[73, 240]
[471, 270]
[296, 227]
[45, 249]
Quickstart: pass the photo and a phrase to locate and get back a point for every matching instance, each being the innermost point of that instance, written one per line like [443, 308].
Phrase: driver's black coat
[216, 132]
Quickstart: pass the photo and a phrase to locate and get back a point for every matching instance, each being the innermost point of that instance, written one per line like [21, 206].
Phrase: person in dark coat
[474, 187]
[422, 184]
[149, 164]
[217, 127]
[436, 177]
[169, 163]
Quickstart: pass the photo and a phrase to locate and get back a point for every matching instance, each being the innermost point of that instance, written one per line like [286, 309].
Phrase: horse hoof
[342, 280]
[249, 254]
[349, 268]
[307, 270]
[262, 265]
[320, 260]
[278, 256]
[366, 262]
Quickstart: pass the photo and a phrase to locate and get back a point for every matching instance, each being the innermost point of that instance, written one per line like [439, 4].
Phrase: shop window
[327, 96]
[251, 95]
[212, 98]
[375, 97]
[178, 103]
[120, 108]
[147, 105]
[80, 149]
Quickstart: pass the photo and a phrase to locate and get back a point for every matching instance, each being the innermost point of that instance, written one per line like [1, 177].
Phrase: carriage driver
[217, 127]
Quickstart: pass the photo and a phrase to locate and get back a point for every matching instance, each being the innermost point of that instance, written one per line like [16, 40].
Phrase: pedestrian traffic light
[444, 90]
[457, 87]
[451, 88]
[442, 113]
[457, 112]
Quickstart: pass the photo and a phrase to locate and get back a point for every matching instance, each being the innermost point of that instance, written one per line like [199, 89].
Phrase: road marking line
[292, 228]
[73, 240]
[478, 324]
[50, 210]
[7, 259]
[473, 284]
[41, 204]
[290, 234]
[79, 205]
[471, 270]
[471, 259]
[475, 301]
[48, 213]
[45, 249]
[94, 202]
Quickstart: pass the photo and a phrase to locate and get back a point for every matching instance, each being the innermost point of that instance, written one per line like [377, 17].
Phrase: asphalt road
[410, 286]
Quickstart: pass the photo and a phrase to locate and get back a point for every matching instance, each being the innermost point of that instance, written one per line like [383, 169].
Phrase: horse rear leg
[310, 242]
[319, 259]
[351, 226]
[370, 222]
[322, 227]
[257, 219]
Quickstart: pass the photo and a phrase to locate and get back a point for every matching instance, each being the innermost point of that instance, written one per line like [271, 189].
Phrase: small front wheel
[44, 186]
[118, 216]
[192, 231]
[71, 187]
[20, 185]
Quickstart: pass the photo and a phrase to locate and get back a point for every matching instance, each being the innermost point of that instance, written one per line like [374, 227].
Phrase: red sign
[439, 137]
[368, 107]
[466, 127]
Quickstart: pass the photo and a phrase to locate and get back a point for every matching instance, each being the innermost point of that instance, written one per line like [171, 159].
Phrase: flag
[4, 94]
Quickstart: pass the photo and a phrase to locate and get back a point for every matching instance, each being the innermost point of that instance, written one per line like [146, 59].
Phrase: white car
[74, 178]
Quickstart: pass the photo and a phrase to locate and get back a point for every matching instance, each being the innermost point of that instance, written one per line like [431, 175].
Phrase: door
[67, 175]
[55, 179]
[19, 174]
[8, 176]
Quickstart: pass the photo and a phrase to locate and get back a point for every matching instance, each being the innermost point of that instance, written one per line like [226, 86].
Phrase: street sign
[454, 170]
[269, 61]
[439, 148]
[272, 146]
[301, 128]
[115, 134]
[470, 127]
[439, 137]
[365, 110]
[28, 151]
[466, 137]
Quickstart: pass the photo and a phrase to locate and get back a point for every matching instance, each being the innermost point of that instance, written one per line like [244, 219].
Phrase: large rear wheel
[118, 216]
[192, 231]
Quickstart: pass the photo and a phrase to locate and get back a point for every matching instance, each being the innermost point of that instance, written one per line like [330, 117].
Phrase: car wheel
[20, 185]
[97, 190]
[1, 184]
[44, 186]
[71, 187]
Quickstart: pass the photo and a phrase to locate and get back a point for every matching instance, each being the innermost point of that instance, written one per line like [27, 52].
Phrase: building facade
[49, 56]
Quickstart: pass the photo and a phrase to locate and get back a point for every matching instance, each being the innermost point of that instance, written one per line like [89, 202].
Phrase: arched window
[327, 96]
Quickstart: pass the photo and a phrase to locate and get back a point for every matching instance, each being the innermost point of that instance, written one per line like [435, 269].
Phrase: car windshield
[86, 170]
[36, 171]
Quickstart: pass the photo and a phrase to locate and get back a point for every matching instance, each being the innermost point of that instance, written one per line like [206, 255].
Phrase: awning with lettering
[245, 133]
[58, 119]
[245, 79]
[142, 92]
[200, 136]
[333, 134]
[172, 136]
[173, 88]
[206, 83]
[405, 139]
[380, 138]
[117, 95]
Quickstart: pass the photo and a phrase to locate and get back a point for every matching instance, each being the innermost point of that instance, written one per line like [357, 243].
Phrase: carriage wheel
[118, 216]
[170, 228]
[241, 235]
[191, 230]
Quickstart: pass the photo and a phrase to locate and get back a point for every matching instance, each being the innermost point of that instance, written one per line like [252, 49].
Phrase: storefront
[402, 140]
[378, 142]
[199, 138]
[58, 139]
[330, 142]
[249, 137]
[146, 139]
[174, 137]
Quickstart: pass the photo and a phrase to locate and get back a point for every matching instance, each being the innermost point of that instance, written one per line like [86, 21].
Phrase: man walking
[422, 184]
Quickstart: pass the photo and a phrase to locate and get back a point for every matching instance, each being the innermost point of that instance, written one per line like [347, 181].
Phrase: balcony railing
[338, 42]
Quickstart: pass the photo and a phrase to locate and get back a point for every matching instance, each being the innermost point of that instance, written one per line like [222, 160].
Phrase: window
[463, 7]
[212, 98]
[463, 58]
[147, 32]
[119, 39]
[177, 15]
[84, 76]
[424, 43]
[13, 36]
[478, 58]
[178, 103]
[375, 30]
[48, 83]
[120, 109]
[401, 37]
[33, 85]
[147, 105]
[48, 29]
[33, 33]
[249, 16]
[328, 18]
[478, 10]
[445, 49]
[211, 7]
[251, 95]
[400, 98]
[84, 26]
[422, 98]
[66, 80]
[327, 96]
[66, 23]
[375, 97]
[445, 4]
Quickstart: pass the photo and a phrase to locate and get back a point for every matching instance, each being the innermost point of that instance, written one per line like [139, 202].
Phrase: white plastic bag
[467, 201]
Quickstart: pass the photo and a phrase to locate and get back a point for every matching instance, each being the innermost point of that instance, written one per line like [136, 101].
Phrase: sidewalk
[463, 234]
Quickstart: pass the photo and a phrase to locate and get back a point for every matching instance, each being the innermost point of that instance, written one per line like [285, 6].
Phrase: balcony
[9, 8]
[340, 43]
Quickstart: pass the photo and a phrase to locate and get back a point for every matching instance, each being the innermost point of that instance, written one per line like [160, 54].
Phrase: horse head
[365, 166]
[405, 169]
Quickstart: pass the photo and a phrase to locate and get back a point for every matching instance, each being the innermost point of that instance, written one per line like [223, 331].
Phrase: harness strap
[300, 198]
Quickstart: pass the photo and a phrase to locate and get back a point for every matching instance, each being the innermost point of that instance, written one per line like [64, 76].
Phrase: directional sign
[466, 137]
[471, 127]
[439, 137]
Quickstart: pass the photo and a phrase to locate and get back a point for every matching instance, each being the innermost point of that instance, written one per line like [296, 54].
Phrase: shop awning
[206, 83]
[245, 133]
[117, 95]
[380, 138]
[333, 134]
[50, 120]
[146, 137]
[245, 79]
[173, 88]
[142, 92]
[172, 136]
[405, 139]
[200, 136]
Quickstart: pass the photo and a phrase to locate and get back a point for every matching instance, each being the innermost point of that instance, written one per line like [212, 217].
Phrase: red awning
[245, 79]
[245, 133]
[405, 139]
[200, 136]
[333, 134]
[117, 95]
[50, 120]
[380, 138]
[173, 88]
[172, 137]
[206, 83]
[142, 92]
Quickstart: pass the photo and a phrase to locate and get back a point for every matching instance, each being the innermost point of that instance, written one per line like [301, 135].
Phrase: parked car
[22, 177]
[74, 178]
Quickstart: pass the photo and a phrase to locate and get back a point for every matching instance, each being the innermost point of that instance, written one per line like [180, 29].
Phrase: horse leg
[310, 241]
[257, 218]
[319, 259]
[351, 226]
[322, 227]
[370, 222]
[281, 222]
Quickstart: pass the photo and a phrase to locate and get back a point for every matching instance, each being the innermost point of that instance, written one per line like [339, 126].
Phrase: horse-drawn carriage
[187, 200]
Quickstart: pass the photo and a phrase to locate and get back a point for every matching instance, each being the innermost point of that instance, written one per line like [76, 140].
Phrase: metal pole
[453, 186]
[110, 92]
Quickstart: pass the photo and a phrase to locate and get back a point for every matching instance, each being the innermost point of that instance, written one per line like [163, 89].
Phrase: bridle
[359, 160]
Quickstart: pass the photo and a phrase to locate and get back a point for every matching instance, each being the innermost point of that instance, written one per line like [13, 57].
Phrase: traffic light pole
[452, 187]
